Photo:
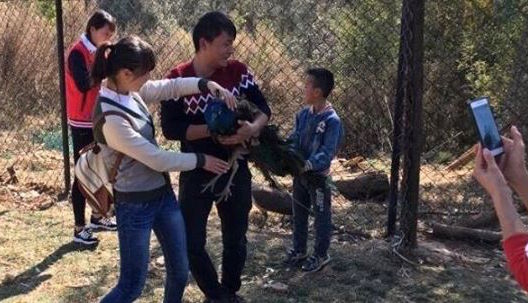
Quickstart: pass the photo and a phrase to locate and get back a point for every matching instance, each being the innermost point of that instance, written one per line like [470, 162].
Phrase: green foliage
[50, 139]
[471, 48]
[47, 9]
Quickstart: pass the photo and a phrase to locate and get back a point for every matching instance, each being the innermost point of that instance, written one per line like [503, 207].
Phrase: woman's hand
[488, 173]
[222, 93]
[215, 165]
[512, 163]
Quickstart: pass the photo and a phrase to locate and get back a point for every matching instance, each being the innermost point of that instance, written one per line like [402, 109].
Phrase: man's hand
[244, 133]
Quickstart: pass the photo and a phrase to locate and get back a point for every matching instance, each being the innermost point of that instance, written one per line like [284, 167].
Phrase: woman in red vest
[80, 99]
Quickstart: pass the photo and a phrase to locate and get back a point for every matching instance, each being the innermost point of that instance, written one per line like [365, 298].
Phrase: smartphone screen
[486, 126]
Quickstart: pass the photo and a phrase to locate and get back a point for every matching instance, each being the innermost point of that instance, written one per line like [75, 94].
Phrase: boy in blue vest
[317, 135]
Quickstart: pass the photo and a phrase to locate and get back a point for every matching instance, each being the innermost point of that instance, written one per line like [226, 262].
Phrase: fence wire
[471, 47]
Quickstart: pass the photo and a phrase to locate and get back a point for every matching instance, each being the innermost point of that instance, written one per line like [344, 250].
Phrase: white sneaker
[103, 223]
[85, 237]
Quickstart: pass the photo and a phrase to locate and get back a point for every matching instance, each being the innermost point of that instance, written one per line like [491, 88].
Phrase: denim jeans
[135, 221]
[310, 190]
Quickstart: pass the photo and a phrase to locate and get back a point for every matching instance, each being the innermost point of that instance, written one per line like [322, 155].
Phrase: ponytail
[100, 68]
[130, 52]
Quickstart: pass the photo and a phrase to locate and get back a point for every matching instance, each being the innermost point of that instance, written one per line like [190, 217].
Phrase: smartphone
[487, 130]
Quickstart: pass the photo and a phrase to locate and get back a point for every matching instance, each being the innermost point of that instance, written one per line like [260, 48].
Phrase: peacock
[270, 153]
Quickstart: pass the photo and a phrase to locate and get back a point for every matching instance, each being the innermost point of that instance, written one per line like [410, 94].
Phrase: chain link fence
[471, 48]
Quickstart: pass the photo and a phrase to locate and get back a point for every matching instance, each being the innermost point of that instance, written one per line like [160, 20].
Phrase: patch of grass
[6, 155]
[51, 139]
[37, 268]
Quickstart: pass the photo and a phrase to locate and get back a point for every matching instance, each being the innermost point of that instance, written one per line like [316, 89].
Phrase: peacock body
[270, 153]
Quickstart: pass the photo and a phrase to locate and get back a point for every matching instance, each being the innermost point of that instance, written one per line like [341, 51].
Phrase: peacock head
[219, 118]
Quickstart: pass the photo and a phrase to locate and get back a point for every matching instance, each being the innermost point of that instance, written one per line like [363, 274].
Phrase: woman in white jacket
[144, 199]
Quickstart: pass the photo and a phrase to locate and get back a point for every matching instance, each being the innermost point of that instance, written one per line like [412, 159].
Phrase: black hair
[210, 26]
[130, 52]
[100, 19]
[322, 79]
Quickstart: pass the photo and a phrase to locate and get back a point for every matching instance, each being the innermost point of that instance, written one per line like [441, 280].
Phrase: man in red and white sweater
[184, 121]
[499, 179]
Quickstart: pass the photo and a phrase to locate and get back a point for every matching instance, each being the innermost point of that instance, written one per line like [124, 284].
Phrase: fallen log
[268, 199]
[464, 233]
[469, 154]
[365, 186]
[486, 219]
[464, 159]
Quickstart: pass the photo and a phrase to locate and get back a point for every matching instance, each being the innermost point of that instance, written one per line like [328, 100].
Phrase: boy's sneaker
[85, 237]
[315, 263]
[103, 223]
[294, 258]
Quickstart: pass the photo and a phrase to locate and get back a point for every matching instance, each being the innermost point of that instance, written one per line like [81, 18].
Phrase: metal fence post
[64, 125]
[396, 142]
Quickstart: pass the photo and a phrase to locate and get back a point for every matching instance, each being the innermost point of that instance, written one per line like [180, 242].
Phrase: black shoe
[294, 258]
[103, 223]
[85, 236]
[315, 263]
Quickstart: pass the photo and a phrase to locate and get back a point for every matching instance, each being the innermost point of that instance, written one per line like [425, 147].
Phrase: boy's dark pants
[312, 190]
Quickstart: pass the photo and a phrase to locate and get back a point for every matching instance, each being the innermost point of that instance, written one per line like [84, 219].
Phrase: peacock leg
[233, 163]
[227, 189]
[211, 184]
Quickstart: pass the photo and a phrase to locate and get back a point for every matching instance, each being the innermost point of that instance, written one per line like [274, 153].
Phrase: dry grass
[39, 264]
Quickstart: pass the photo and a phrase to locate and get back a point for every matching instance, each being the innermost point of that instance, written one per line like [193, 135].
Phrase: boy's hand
[488, 174]
[512, 163]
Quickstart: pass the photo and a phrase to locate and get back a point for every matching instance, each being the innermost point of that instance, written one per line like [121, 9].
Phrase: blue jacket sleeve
[321, 158]
[294, 136]
[174, 121]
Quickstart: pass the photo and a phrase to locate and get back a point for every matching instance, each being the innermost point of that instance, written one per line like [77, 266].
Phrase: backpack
[94, 179]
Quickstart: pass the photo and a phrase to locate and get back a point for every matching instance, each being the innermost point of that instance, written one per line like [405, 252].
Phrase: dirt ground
[38, 262]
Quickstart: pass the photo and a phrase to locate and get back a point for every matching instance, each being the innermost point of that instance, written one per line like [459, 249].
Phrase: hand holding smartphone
[487, 130]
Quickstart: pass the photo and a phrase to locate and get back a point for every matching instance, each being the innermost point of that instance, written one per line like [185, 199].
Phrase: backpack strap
[100, 118]
[113, 171]
[129, 111]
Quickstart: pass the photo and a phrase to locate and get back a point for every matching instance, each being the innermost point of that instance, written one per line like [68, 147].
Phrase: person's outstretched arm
[514, 233]
[489, 175]
[165, 89]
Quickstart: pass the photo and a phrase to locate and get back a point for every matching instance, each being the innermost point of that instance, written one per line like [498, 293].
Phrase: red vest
[80, 105]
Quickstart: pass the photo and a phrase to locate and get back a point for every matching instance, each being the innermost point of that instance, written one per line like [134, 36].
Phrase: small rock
[29, 194]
